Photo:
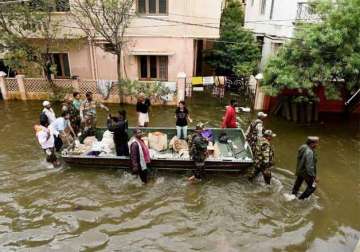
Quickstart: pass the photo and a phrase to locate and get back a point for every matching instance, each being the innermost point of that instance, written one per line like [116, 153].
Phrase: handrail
[352, 97]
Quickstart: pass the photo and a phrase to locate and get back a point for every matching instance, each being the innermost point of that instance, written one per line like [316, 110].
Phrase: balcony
[305, 13]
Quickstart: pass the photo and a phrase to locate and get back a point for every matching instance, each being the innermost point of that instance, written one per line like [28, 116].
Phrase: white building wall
[276, 25]
[281, 22]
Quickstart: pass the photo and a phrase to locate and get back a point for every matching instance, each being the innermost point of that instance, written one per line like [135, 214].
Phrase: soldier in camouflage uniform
[255, 131]
[198, 151]
[264, 157]
[88, 114]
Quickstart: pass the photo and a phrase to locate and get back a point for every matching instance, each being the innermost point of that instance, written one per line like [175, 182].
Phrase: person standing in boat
[264, 157]
[139, 155]
[229, 119]
[142, 109]
[119, 126]
[198, 152]
[76, 102]
[68, 107]
[88, 114]
[75, 112]
[306, 167]
[255, 130]
[182, 118]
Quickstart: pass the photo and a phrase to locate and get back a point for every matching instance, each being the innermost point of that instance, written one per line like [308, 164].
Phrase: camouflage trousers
[88, 126]
[199, 171]
[266, 172]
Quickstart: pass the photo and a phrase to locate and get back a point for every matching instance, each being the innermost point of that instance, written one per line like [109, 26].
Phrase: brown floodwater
[69, 209]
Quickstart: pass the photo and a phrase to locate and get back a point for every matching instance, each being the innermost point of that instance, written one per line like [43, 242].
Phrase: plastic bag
[158, 141]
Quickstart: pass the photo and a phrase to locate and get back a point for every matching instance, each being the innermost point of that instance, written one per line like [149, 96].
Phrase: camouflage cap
[261, 114]
[269, 133]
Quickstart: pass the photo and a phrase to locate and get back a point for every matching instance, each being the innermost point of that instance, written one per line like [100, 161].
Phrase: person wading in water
[139, 155]
[47, 142]
[47, 113]
[255, 130]
[306, 168]
[264, 157]
[198, 152]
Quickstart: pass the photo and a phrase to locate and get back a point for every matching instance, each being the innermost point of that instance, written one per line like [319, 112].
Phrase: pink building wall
[80, 62]
[180, 58]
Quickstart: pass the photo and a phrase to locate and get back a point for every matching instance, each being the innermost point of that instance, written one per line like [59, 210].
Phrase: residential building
[165, 38]
[273, 22]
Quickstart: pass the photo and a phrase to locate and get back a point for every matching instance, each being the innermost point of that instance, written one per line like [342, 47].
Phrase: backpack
[44, 120]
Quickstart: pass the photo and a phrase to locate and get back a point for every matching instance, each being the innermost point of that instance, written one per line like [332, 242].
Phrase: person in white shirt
[58, 128]
[46, 141]
[48, 112]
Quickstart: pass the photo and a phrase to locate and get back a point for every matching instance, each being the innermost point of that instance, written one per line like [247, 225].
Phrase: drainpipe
[91, 60]
[94, 68]
[95, 63]
[352, 97]
[259, 95]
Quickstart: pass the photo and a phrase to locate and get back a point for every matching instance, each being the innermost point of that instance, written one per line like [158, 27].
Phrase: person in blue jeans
[182, 118]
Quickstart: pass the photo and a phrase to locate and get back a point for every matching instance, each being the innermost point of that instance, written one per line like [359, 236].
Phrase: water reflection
[71, 209]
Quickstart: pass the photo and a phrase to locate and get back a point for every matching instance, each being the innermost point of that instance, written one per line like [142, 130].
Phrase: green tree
[324, 53]
[106, 19]
[28, 33]
[236, 52]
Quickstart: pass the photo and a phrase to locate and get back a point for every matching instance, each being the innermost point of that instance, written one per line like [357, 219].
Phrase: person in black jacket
[142, 109]
[119, 126]
[306, 168]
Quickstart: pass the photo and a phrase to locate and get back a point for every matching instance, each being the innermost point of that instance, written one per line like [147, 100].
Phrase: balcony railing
[305, 13]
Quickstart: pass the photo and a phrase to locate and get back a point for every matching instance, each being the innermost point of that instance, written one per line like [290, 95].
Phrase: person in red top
[229, 120]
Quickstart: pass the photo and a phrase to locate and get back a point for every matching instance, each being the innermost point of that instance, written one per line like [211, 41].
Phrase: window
[141, 6]
[305, 12]
[62, 5]
[260, 41]
[108, 48]
[152, 7]
[153, 68]
[275, 46]
[162, 6]
[252, 2]
[57, 5]
[61, 61]
[262, 7]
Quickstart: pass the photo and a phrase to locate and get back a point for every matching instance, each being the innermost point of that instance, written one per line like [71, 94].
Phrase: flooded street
[70, 209]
